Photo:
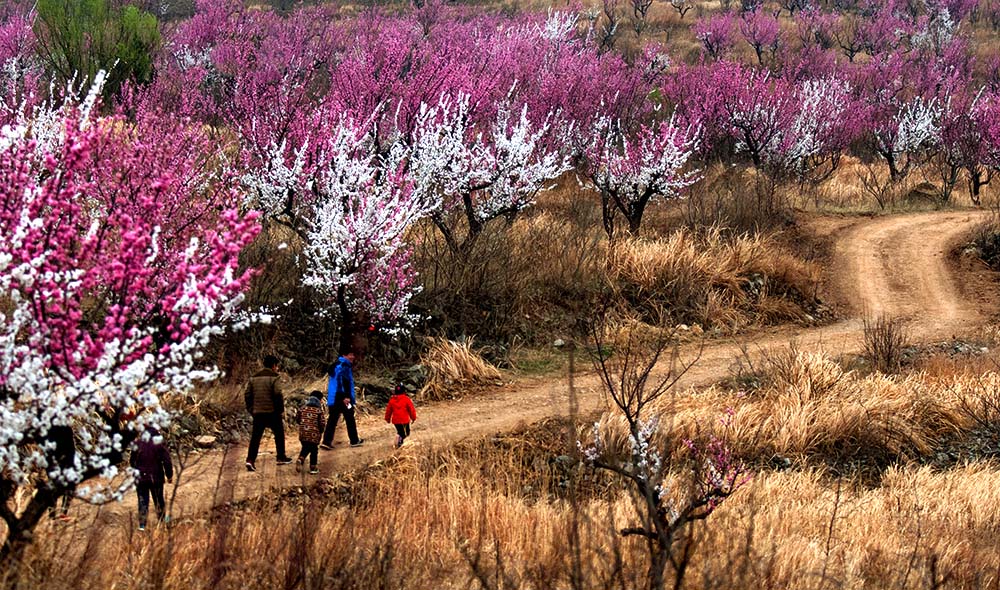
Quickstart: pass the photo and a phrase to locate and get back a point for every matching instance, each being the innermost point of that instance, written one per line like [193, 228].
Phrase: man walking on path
[264, 401]
[340, 401]
[151, 460]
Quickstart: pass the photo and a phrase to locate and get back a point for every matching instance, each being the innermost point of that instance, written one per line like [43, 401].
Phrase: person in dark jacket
[311, 424]
[340, 401]
[266, 403]
[400, 413]
[64, 457]
[151, 461]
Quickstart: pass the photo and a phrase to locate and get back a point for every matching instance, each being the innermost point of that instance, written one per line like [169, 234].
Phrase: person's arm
[388, 410]
[411, 409]
[168, 465]
[132, 457]
[248, 396]
[350, 381]
[321, 420]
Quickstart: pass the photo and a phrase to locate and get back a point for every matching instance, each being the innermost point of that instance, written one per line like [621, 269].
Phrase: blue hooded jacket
[341, 383]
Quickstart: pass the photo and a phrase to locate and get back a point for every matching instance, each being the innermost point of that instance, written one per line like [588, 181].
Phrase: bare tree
[629, 365]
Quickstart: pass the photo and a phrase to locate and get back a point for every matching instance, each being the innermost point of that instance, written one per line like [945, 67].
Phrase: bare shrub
[739, 200]
[884, 341]
[452, 367]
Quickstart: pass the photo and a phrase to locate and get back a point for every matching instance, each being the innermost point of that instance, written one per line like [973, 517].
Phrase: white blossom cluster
[917, 126]
[559, 26]
[504, 170]
[652, 164]
[821, 104]
[44, 123]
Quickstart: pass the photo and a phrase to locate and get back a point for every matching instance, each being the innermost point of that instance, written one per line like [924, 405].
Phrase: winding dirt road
[896, 265]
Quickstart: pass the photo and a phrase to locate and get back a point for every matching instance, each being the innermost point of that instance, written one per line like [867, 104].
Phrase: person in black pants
[151, 460]
[265, 402]
[64, 458]
[340, 401]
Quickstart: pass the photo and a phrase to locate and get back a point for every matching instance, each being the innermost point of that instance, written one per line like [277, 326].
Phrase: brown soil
[898, 265]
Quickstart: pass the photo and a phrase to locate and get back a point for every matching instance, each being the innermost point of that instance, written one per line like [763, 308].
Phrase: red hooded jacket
[400, 409]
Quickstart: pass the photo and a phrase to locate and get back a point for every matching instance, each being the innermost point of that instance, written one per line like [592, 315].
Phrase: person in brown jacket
[265, 402]
[311, 424]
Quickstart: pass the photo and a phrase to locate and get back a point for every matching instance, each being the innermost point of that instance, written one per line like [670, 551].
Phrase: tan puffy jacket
[263, 394]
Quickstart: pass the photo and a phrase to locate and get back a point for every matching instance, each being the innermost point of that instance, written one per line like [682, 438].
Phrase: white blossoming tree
[481, 175]
[633, 167]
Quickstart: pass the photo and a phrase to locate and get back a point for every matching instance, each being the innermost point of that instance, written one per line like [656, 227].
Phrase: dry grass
[454, 367]
[509, 512]
[783, 530]
[810, 410]
[718, 280]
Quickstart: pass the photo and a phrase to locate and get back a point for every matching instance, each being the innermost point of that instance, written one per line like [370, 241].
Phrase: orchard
[132, 183]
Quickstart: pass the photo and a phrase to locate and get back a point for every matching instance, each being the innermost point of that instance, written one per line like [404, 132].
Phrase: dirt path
[895, 265]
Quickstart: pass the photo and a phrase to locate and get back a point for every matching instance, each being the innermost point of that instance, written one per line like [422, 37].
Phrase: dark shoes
[284, 460]
[326, 447]
[358, 443]
[298, 465]
[250, 466]
[314, 470]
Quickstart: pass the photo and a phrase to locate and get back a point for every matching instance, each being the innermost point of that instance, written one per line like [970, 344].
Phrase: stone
[683, 327]
[204, 441]
[559, 343]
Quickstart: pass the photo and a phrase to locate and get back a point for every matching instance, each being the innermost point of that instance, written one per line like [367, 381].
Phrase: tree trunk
[634, 222]
[20, 529]
[348, 326]
[608, 213]
[659, 558]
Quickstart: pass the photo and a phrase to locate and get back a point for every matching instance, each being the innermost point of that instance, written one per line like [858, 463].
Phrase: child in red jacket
[400, 413]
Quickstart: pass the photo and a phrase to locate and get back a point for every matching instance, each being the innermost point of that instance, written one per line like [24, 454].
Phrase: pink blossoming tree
[120, 263]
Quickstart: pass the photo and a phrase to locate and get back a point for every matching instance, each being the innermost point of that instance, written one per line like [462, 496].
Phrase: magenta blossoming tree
[633, 168]
[717, 34]
[120, 263]
[762, 31]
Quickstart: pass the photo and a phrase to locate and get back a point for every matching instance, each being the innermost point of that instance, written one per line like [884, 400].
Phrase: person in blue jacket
[340, 401]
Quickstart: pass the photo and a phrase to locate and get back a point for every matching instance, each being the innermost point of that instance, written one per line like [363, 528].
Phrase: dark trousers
[336, 410]
[311, 449]
[146, 489]
[403, 430]
[272, 421]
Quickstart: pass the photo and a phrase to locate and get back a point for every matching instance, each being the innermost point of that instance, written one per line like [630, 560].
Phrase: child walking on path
[400, 412]
[311, 424]
[151, 460]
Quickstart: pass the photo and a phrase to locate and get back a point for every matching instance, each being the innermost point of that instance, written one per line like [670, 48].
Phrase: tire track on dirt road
[895, 265]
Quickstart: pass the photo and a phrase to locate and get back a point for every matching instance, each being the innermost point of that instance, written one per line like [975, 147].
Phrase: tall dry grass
[917, 529]
[534, 280]
[713, 278]
[810, 409]
[453, 368]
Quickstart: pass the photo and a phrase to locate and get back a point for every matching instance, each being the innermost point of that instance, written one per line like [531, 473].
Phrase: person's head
[316, 394]
[399, 390]
[350, 355]
[270, 362]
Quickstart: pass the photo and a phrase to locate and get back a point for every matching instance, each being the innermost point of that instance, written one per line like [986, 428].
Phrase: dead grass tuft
[453, 367]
